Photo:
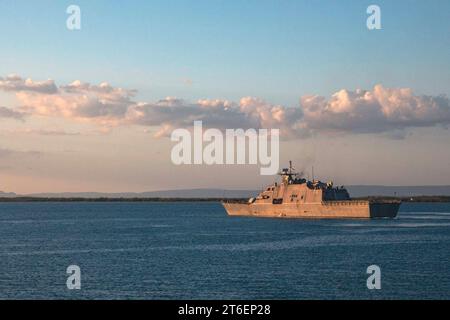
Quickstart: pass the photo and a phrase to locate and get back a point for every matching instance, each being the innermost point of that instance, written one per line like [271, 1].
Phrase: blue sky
[276, 50]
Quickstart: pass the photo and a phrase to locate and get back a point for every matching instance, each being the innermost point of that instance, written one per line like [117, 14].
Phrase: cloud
[103, 104]
[380, 110]
[188, 82]
[250, 112]
[15, 83]
[5, 153]
[8, 113]
[43, 132]
[374, 111]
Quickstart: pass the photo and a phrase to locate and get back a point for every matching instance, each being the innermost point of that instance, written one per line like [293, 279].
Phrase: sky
[92, 109]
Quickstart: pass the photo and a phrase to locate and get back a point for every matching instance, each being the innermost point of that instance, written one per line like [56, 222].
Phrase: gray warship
[296, 197]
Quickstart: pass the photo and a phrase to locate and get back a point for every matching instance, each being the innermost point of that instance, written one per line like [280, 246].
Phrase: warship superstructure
[296, 197]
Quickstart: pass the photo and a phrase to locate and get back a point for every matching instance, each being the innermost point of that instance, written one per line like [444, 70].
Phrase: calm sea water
[195, 251]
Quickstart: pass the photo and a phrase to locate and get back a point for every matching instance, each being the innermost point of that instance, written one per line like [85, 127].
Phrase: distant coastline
[107, 199]
[403, 193]
[164, 199]
[356, 191]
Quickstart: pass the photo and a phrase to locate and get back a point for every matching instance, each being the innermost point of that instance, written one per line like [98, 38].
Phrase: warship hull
[353, 209]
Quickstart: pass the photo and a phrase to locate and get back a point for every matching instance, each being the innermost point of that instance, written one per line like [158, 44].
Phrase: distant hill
[184, 193]
[355, 191]
[399, 191]
[7, 194]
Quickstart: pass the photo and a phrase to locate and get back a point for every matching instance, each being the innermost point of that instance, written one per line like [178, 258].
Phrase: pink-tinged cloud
[102, 104]
[360, 111]
[16, 83]
[379, 110]
[173, 113]
[41, 132]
